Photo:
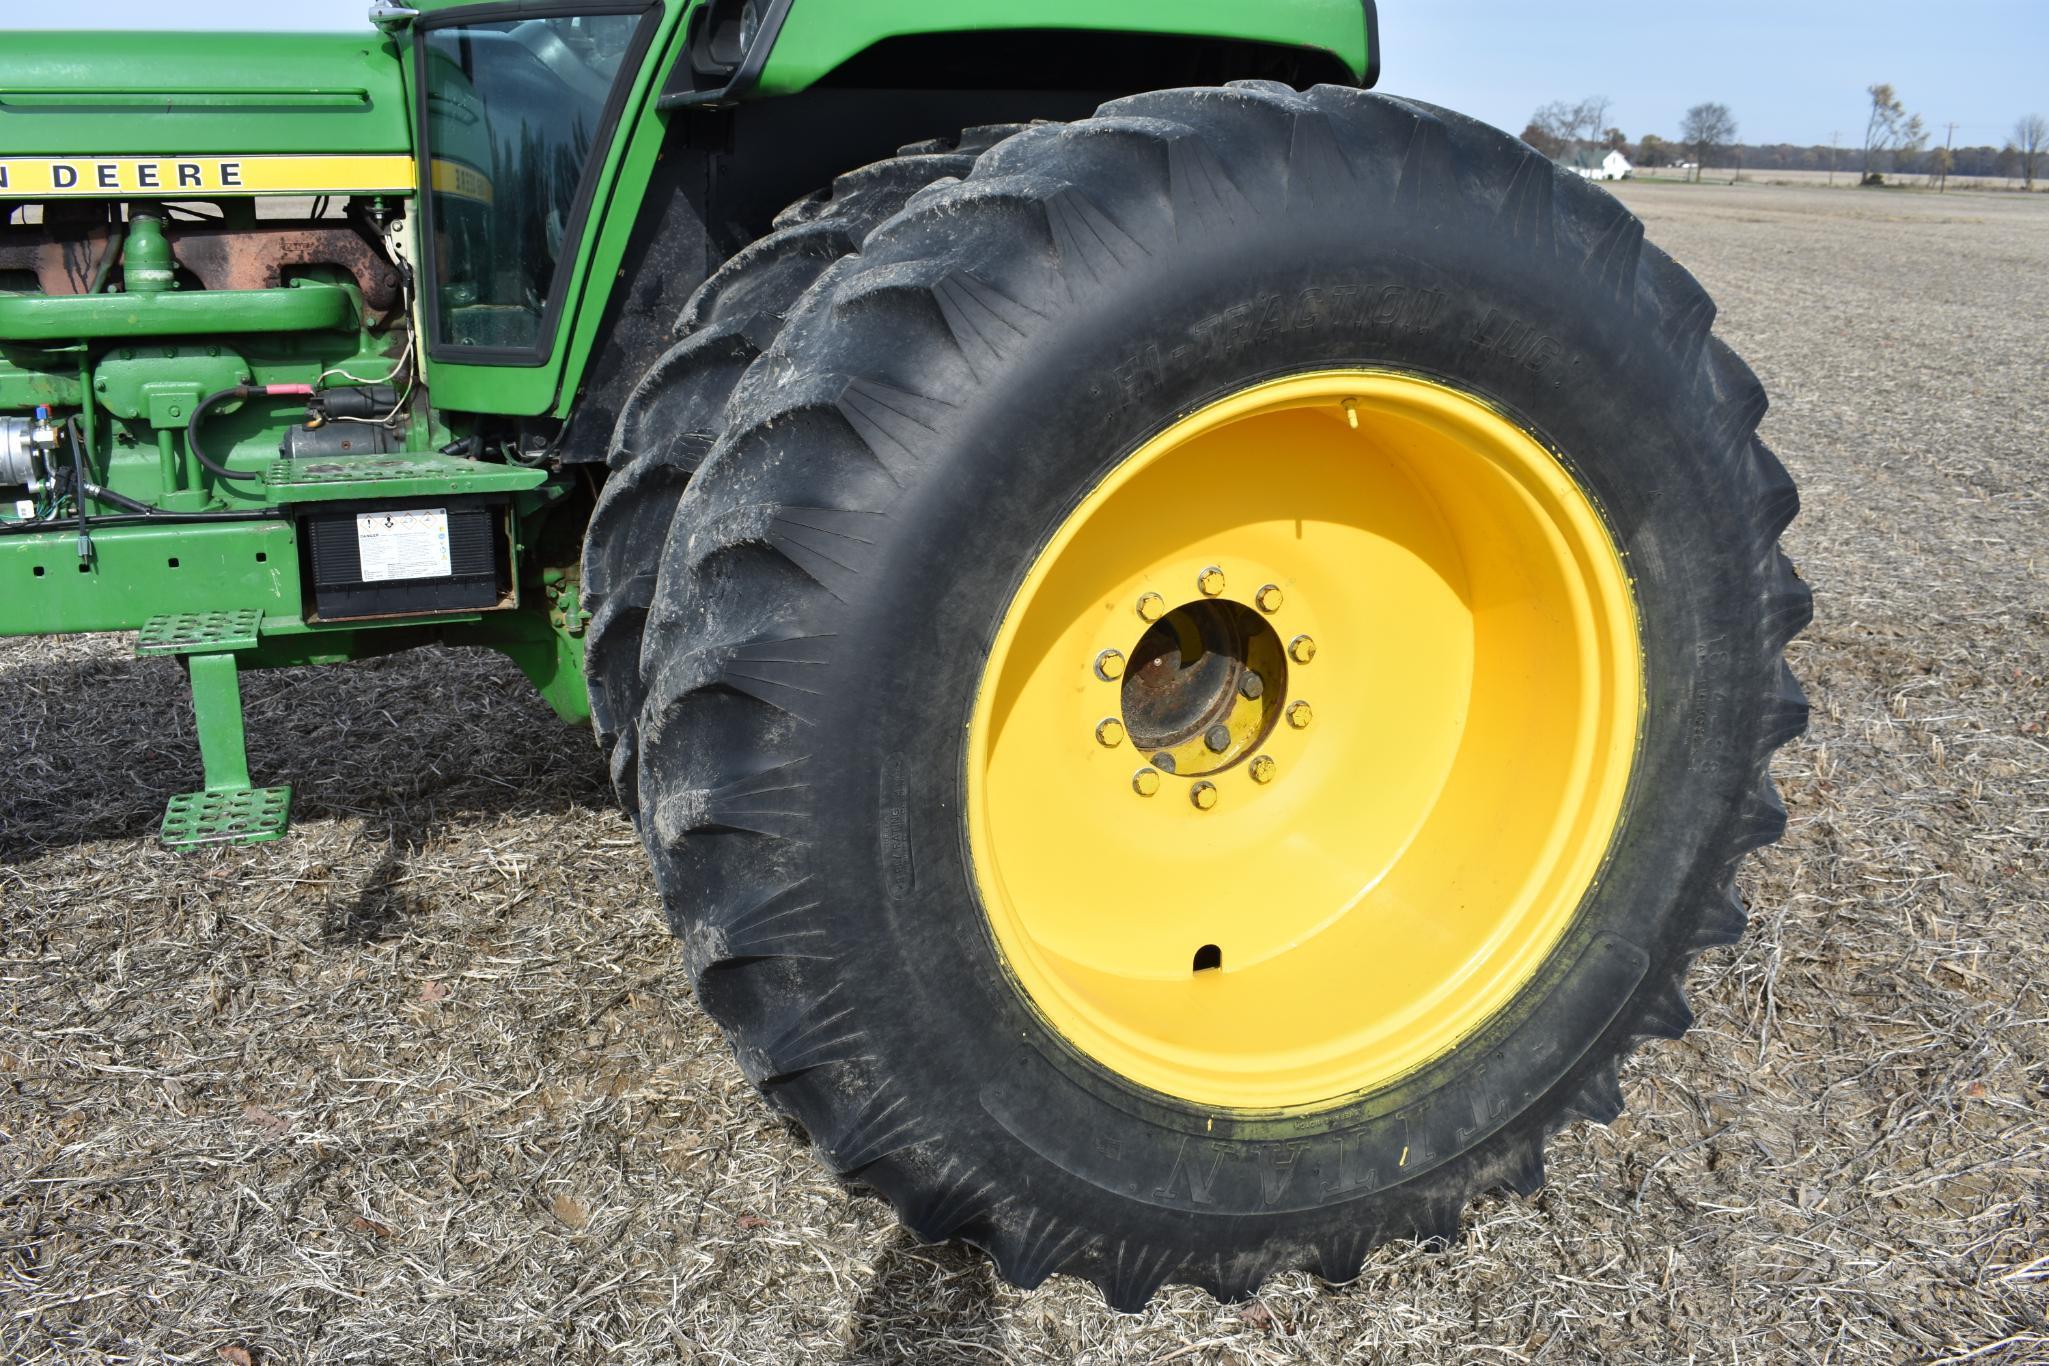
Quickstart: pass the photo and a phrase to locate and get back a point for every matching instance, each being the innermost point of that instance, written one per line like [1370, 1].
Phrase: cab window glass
[515, 118]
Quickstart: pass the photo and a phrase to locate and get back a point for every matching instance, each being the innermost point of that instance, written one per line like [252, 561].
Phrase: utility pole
[1835, 140]
[1948, 146]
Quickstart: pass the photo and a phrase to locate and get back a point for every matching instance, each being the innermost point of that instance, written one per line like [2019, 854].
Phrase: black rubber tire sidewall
[1016, 455]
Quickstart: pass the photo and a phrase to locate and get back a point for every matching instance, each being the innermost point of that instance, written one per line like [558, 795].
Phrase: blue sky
[1792, 70]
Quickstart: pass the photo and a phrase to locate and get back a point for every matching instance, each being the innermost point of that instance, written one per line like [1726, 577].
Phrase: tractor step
[250, 815]
[229, 810]
[192, 633]
[418, 474]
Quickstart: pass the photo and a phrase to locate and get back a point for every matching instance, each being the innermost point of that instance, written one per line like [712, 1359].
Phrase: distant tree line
[1894, 142]
[1980, 161]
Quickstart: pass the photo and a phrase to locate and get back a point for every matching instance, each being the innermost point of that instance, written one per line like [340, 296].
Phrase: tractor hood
[97, 94]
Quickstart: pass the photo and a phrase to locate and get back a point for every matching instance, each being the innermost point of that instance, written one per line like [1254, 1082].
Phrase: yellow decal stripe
[463, 182]
[174, 177]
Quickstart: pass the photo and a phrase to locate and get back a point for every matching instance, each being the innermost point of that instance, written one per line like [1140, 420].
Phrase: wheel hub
[1204, 688]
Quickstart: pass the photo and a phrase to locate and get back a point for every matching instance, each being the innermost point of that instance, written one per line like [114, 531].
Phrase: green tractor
[1195, 648]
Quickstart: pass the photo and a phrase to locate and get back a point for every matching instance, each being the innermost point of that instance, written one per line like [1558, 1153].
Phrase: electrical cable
[78, 494]
[412, 380]
[404, 360]
[219, 396]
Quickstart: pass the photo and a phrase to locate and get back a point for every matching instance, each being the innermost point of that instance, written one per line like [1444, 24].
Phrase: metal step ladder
[228, 810]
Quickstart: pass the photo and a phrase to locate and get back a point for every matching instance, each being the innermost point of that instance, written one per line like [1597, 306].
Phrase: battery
[414, 557]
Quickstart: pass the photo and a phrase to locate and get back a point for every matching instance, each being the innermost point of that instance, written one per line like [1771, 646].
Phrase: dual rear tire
[982, 809]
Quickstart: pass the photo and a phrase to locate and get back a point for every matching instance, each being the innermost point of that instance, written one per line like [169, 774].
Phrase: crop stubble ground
[424, 1080]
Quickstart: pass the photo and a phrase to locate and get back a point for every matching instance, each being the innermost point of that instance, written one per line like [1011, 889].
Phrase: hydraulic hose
[78, 487]
[236, 394]
[122, 500]
[108, 255]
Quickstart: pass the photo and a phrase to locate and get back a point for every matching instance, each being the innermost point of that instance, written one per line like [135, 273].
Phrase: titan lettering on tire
[1214, 681]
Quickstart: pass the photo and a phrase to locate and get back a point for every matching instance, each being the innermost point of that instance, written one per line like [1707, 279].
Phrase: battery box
[408, 557]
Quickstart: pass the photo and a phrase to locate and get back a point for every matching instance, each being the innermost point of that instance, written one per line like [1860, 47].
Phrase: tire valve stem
[1352, 412]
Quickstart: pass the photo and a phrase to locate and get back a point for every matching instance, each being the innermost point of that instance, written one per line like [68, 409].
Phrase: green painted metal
[31, 376]
[217, 716]
[147, 266]
[105, 93]
[244, 816]
[135, 381]
[818, 37]
[189, 633]
[227, 810]
[306, 307]
[393, 476]
[551, 661]
[138, 572]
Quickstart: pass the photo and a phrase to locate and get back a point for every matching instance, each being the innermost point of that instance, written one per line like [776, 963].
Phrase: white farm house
[1613, 166]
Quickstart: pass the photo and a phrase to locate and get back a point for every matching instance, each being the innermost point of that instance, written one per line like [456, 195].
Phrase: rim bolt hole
[1109, 732]
[1151, 606]
[1299, 715]
[1208, 958]
[1251, 686]
[1301, 649]
[1210, 581]
[1204, 795]
[1110, 665]
[1268, 598]
[1218, 738]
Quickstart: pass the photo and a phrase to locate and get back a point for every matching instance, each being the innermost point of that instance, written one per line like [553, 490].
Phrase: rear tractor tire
[679, 407]
[1208, 682]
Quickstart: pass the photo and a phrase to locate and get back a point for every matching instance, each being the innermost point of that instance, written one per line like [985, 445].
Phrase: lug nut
[1204, 795]
[1268, 598]
[1301, 649]
[1164, 762]
[1151, 606]
[1109, 732]
[1145, 782]
[1218, 738]
[1299, 715]
[1251, 686]
[1110, 665]
[1263, 767]
[1210, 581]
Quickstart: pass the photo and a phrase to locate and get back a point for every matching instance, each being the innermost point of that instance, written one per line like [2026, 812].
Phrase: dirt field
[1845, 178]
[424, 1081]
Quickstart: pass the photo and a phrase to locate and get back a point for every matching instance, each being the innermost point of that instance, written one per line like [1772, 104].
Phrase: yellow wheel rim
[1303, 740]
